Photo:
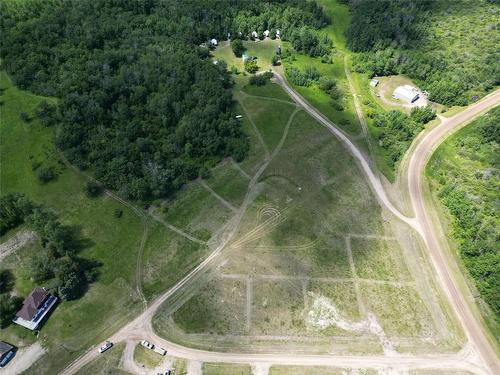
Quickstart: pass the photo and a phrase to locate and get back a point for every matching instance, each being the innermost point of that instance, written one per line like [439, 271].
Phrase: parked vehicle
[105, 346]
[147, 344]
[159, 350]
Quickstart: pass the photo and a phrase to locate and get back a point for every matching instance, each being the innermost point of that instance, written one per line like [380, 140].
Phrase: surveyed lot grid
[315, 262]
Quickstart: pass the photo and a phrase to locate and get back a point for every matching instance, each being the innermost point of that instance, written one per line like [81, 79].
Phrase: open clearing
[315, 264]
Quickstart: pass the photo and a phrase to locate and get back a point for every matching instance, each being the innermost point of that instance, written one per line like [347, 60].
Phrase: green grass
[399, 310]
[226, 369]
[106, 364]
[379, 259]
[269, 117]
[217, 308]
[110, 241]
[264, 50]
[196, 211]
[269, 90]
[345, 119]
[228, 182]
[256, 153]
[277, 307]
[167, 258]
[147, 357]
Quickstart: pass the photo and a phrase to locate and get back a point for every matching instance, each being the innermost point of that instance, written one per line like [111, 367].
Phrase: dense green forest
[466, 174]
[449, 48]
[141, 104]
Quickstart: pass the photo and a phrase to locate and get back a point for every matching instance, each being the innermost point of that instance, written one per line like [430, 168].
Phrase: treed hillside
[465, 173]
[141, 104]
[449, 47]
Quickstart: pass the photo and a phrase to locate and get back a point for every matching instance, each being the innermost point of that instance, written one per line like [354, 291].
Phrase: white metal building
[406, 93]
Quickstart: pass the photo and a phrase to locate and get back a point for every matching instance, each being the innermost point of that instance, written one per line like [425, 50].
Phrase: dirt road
[418, 160]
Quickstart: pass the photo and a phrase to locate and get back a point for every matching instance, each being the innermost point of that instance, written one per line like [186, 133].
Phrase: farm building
[266, 33]
[213, 41]
[406, 93]
[374, 82]
[35, 308]
[6, 353]
[255, 35]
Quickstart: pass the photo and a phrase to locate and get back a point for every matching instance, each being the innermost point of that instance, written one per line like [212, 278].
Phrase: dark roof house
[35, 308]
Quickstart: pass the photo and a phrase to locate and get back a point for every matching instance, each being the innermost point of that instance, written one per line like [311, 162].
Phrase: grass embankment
[147, 357]
[225, 369]
[464, 177]
[106, 364]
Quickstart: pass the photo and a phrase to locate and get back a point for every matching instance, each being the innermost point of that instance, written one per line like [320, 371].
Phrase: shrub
[326, 84]
[93, 189]
[305, 78]
[260, 79]
[45, 175]
[24, 117]
[251, 65]
[237, 47]
[118, 213]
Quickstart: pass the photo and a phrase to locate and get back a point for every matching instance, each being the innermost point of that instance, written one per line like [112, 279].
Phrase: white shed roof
[406, 92]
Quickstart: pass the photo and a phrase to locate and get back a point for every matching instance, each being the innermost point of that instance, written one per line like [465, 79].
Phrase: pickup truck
[105, 346]
[159, 350]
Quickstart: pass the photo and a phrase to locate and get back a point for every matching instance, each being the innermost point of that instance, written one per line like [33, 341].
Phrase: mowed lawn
[112, 243]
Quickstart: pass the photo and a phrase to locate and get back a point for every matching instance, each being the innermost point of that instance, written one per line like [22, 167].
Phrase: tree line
[140, 101]
[468, 188]
[405, 37]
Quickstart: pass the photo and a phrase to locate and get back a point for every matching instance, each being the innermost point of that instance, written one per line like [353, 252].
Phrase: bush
[237, 47]
[47, 113]
[305, 78]
[93, 189]
[45, 175]
[24, 117]
[8, 307]
[260, 79]
[118, 213]
[276, 60]
[251, 65]
[422, 115]
[326, 84]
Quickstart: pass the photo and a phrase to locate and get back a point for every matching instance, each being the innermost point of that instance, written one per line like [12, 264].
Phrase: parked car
[147, 344]
[105, 346]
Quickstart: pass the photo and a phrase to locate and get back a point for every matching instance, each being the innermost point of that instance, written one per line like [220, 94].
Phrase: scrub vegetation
[448, 48]
[465, 176]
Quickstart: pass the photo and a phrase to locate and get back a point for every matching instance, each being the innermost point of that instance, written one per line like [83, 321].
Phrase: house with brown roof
[6, 353]
[35, 308]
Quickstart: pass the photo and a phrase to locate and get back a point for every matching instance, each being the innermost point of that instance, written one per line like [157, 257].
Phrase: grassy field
[229, 183]
[112, 242]
[378, 259]
[264, 50]
[217, 308]
[167, 257]
[269, 90]
[291, 255]
[147, 357]
[225, 369]
[269, 117]
[106, 364]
